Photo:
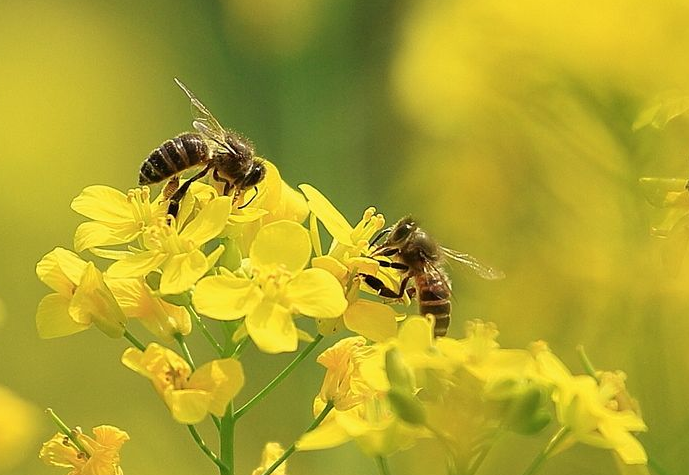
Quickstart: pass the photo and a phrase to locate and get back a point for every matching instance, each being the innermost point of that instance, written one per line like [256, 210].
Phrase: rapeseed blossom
[100, 455]
[277, 287]
[81, 298]
[177, 253]
[190, 395]
[271, 453]
[345, 259]
[594, 413]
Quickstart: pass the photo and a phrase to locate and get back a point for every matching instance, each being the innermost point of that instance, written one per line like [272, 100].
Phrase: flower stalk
[543, 455]
[279, 378]
[290, 450]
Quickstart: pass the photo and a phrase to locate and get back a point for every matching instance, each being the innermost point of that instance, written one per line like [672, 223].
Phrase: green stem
[202, 444]
[655, 466]
[239, 349]
[185, 350]
[586, 362]
[382, 464]
[290, 450]
[540, 458]
[488, 443]
[204, 329]
[132, 339]
[227, 441]
[278, 379]
[67, 431]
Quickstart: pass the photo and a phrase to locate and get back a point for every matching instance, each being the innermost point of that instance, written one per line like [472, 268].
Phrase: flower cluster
[466, 393]
[251, 272]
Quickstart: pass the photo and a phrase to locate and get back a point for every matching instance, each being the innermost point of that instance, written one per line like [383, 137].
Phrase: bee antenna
[252, 199]
[380, 235]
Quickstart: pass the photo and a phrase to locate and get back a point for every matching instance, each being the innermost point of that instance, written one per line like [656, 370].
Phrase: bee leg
[176, 198]
[386, 251]
[393, 265]
[384, 291]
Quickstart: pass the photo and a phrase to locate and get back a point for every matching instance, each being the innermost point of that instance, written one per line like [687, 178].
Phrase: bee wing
[204, 122]
[483, 271]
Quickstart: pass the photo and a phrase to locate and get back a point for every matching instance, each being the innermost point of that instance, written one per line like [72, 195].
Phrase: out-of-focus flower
[279, 287]
[271, 453]
[117, 218]
[81, 299]
[137, 300]
[19, 419]
[190, 396]
[101, 456]
[597, 414]
[671, 195]
[178, 253]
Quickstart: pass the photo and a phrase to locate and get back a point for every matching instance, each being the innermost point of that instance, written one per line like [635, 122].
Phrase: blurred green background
[503, 126]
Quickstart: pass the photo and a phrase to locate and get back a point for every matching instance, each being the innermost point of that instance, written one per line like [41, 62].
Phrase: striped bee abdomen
[173, 156]
[433, 292]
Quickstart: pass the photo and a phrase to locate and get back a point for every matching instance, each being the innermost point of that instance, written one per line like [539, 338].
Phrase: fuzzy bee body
[419, 257]
[172, 157]
[225, 154]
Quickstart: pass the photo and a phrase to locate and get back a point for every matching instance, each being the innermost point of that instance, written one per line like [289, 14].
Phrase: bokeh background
[504, 126]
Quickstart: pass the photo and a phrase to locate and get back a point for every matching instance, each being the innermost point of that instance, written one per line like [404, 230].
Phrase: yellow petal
[271, 327]
[226, 297]
[327, 435]
[61, 270]
[110, 436]
[210, 222]
[181, 272]
[282, 243]
[222, 379]
[137, 265]
[626, 445]
[53, 320]
[94, 233]
[316, 293]
[188, 406]
[332, 265]
[93, 302]
[334, 222]
[103, 203]
[373, 320]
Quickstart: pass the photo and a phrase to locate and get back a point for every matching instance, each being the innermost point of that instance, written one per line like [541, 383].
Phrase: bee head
[400, 232]
[255, 175]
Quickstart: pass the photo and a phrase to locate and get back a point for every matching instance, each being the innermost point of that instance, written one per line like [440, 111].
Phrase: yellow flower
[118, 218]
[102, 455]
[343, 384]
[189, 396]
[345, 259]
[271, 453]
[481, 355]
[372, 425]
[81, 298]
[361, 412]
[177, 254]
[138, 300]
[593, 412]
[19, 419]
[279, 287]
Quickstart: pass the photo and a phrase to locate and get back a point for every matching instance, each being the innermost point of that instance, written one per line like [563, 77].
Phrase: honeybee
[227, 154]
[418, 256]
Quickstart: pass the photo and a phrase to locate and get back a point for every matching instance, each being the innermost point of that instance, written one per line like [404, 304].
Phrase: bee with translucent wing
[418, 256]
[225, 153]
